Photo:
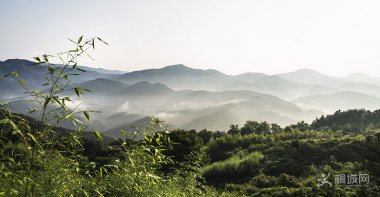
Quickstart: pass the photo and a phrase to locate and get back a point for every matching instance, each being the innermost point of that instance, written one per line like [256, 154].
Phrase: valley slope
[197, 99]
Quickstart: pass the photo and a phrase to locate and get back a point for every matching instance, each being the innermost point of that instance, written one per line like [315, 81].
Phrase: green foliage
[350, 121]
[186, 150]
[292, 162]
[234, 169]
[255, 127]
[234, 129]
[224, 147]
[39, 159]
[206, 135]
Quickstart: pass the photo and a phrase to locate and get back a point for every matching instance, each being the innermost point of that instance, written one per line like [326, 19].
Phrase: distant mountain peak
[307, 71]
[358, 75]
[176, 66]
[142, 84]
[275, 77]
[303, 72]
[101, 80]
[18, 61]
[251, 73]
[181, 68]
[146, 88]
[362, 78]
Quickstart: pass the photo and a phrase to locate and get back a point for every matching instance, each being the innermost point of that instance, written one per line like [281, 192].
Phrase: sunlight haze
[333, 37]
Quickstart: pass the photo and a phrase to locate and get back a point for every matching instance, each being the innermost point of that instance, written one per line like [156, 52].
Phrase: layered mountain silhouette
[339, 100]
[179, 77]
[362, 78]
[33, 74]
[196, 99]
[312, 77]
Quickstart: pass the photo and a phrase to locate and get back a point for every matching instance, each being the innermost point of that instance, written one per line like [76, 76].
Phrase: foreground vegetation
[183, 163]
[76, 164]
[258, 159]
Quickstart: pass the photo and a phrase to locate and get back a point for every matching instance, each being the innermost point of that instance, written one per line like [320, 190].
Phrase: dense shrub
[234, 169]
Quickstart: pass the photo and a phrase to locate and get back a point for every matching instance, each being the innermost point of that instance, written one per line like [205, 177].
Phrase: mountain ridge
[203, 98]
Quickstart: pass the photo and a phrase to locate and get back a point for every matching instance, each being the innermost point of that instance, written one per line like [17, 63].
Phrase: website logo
[346, 180]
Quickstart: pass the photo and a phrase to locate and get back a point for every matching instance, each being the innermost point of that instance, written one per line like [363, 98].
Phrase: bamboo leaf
[45, 58]
[81, 69]
[78, 91]
[102, 41]
[80, 39]
[15, 74]
[123, 132]
[87, 115]
[37, 59]
[59, 102]
[97, 134]
[69, 115]
[73, 51]
[4, 121]
[16, 130]
[32, 110]
[33, 138]
[47, 101]
[23, 83]
[51, 70]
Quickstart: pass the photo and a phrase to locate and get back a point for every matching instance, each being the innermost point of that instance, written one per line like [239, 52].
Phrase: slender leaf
[80, 39]
[47, 101]
[87, 115]
[78, 91]
[37, 59]
[4, 121]
[23, 83]
[32, 110]
[81, 69]
[97, 134]
[123, 132]
[69, 115]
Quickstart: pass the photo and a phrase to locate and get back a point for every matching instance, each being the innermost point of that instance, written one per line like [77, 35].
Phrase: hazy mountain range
[196, 99]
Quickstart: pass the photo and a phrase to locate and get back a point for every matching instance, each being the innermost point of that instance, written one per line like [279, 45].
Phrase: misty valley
[179, 131]
[189, 98]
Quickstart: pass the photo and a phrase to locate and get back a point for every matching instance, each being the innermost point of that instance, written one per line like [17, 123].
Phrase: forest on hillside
[246, 161]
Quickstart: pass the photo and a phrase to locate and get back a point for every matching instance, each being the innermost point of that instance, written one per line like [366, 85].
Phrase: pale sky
[234, 36]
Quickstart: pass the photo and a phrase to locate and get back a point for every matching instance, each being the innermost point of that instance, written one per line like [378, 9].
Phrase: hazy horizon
[332, 37]
[290, 71]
